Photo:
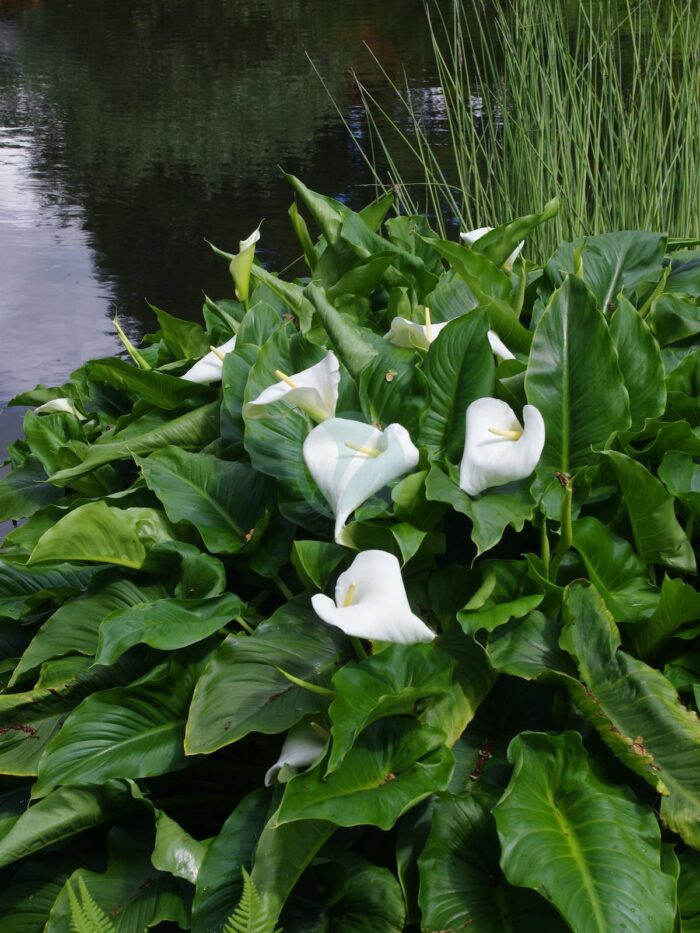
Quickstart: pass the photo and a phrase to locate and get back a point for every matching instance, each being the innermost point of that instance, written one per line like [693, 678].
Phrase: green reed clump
[596, 101]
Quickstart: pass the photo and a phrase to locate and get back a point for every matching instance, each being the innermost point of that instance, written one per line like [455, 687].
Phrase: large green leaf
[243, 691]
[636, 711]
[506, 593]
[393, 765]
[461, 883]
[356, 347]
[62, 814]
[98, 532]
[166, 624]
[581, 842]
[390, 683]
[574, 379]
[160, 389]
[640, 361]
[681, 475]
[658, 536]
[226, 502]
[679, 603]
[25, 904]
[674, 317]
[132, 732]
[175, 851]
[25, 490]
[24, 589]
[498, 244]
[459, 368]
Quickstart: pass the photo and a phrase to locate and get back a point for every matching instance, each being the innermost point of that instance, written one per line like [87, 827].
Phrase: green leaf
[619, 575]
[394, 764]
[316, 561]
[25, 490]
[243, 691]
[49, 435]
[62, 814]
[393, 389]
[176, 851]
[581, 842]
[98, 532]
[498, 244]
[640, 362]
[674, 317]
[132, 732]
[506, 593]
[186, 340]
[25, 903]
[574, 379]
[24, 589]
[86, 915]
[225, 501]
[459, 368]
[391, 683]
[636, 711]
[355, 346]
[658, 537]
[681, 476]
[159, 389]
[679, 604]
[166, 624]
[461, 883]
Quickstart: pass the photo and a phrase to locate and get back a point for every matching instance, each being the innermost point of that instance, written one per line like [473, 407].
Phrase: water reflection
[132, 131]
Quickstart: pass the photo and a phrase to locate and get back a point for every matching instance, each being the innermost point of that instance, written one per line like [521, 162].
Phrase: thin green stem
[305, 685]
[282, 586]
[566, 529]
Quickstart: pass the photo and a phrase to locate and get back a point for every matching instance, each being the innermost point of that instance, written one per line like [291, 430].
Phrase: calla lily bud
[211, 365]
[371, 602]
[242, 263]
[350, 461]
[498, 449]
[471, 236]
[302, 747]
[66, 405]
[313, 390]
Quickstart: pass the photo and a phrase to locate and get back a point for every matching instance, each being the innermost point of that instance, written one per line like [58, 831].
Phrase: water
[132, 131]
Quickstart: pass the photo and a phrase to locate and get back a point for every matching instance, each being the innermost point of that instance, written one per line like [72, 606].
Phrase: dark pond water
[132, 130]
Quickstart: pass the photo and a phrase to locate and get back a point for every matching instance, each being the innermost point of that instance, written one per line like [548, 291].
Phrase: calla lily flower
[210, 367]
[242, 263]
[371, 602]
[66, 405]
[498, 449]
[471, 236]
[350, 461]
[313, 390]
[302, 747]
[405, 333]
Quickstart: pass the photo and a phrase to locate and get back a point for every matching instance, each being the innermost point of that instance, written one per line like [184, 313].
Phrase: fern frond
[249, 916]
[86, 915]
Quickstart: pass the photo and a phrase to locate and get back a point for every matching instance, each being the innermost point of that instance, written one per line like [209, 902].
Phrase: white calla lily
[471, 236]
[498, 449]
[371, 602]
[66, 405]
[210, 367]
[350, 461]
[242, 263]
[313, 390]
[405, 333]
[302, 747]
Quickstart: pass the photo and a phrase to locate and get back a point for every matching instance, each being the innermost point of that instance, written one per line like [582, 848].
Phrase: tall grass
[596, 101]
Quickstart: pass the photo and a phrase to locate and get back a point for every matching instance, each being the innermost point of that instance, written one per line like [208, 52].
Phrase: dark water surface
[132, 130]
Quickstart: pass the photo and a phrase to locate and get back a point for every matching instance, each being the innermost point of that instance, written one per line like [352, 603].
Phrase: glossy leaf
[640, 362]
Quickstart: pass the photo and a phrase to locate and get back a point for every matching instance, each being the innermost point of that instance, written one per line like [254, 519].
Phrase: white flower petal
[66, 405]
[210, 367]
[346, 476]
[253, 238]
[316, 391]
[405, 333]
[498, 348]
[302, 747]
[490, 460]
[379, 608]
[471, 236]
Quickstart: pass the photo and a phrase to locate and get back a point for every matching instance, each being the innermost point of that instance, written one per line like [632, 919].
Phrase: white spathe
[313, 390]
[371, 602]
[351, 460]
[302, 747]
[65, 405]
[491, 459]
[471, 236]
[211, 365]
[405, 333]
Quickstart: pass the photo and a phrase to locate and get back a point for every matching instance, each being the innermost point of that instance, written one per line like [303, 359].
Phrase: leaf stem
[282, 586]
[305, 685]
[359, 648]
[566, 529]
[544, 545]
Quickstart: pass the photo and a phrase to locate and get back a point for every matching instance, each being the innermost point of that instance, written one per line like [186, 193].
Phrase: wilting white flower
[242, 263]
[405, 333]
[498, 449]
[471, 236]
[314, 390]
[302, 747]
[371, 602]
[350, 461]
[66, 405]
[210, 367]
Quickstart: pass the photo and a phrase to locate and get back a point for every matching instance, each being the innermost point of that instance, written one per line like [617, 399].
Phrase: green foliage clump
[384, 617]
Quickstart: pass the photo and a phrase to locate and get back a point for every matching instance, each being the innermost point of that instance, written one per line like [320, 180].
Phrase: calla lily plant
[351, 460]
[371, 602]
[498, 449]
[413, 336]
[313, 390]
[469, 237]
[210, 367]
